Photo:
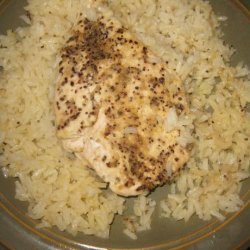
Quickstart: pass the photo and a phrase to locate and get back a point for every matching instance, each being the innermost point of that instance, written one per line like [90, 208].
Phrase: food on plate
[115, 106]
[190, 91]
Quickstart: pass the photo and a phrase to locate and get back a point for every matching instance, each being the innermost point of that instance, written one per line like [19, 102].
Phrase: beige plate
[17, 231]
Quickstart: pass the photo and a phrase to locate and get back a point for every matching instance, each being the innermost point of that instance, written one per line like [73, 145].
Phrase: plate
[18, 231]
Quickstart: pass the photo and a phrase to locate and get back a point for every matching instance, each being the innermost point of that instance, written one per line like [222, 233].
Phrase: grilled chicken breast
[112, 100]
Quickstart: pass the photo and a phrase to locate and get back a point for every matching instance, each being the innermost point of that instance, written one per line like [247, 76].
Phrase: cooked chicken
[112, 100]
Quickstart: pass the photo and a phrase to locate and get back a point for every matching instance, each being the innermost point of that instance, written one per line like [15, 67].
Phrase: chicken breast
[113, 97]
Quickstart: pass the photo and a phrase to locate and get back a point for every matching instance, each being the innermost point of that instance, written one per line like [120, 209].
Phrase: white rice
[59, 188]
[141, 220]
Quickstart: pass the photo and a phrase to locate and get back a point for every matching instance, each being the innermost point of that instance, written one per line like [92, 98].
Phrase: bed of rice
[60, 190]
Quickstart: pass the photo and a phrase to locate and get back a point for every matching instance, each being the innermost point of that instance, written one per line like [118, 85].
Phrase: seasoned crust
[112, 98]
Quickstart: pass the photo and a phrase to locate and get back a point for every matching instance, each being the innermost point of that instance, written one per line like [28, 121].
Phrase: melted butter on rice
[116, 106]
